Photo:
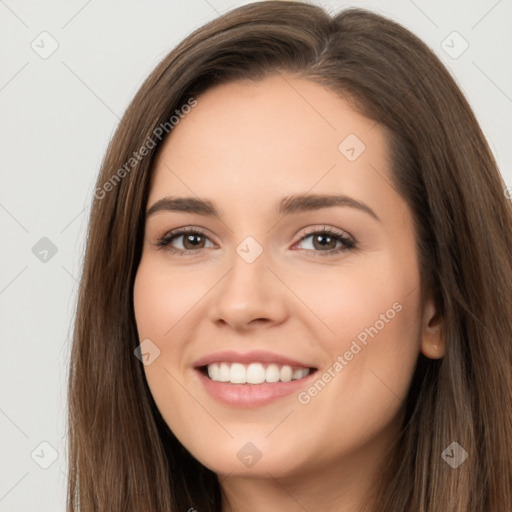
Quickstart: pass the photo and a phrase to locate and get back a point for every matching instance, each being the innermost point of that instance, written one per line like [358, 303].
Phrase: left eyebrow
[288, 205]
[307, 202]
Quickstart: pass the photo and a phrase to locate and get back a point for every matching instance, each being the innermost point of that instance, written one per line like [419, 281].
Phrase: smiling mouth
[254, 373]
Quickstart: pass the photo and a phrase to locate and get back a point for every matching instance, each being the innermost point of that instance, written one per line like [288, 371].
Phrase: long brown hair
[122, 455]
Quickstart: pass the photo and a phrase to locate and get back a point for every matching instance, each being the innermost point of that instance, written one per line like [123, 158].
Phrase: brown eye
[192, 241]
[324, 242]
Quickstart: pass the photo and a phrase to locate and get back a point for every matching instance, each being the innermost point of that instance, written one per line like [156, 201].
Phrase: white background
[57, 116]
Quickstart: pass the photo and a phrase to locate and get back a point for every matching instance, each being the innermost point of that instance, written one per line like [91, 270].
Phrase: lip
[254, 356]
[251, 395]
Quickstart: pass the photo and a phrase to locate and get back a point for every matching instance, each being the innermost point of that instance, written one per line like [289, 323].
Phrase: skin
[244, 147]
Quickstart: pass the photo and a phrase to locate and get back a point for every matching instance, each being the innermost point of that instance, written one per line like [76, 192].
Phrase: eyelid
[326, 229]
[176, 233]
[342, 236]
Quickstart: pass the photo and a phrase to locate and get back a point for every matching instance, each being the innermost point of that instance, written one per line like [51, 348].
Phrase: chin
[257, 458]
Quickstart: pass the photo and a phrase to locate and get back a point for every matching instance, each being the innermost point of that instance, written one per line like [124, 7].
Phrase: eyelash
[349, 243]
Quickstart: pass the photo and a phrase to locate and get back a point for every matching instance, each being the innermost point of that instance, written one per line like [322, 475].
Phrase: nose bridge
[250, 250]
[249, 290]
[248, 269]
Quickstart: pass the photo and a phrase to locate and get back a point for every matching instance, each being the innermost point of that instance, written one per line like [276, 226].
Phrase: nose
[249, 295]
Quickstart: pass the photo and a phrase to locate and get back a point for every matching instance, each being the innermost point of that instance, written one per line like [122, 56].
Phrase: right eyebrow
[183, 204]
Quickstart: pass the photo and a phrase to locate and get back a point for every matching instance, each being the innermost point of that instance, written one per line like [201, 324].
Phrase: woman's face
[263, 294]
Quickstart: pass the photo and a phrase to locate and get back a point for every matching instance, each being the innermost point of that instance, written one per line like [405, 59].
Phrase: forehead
[278, 136]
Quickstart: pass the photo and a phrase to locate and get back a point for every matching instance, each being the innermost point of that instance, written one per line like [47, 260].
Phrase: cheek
[376, 299]
[360, 394]
[374, 319]
[162, 298]
[165, 303]
[158, 306]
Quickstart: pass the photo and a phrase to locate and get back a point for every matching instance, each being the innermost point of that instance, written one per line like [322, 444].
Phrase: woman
[223, 359]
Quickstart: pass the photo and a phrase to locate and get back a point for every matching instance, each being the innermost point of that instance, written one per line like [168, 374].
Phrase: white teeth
[300, 373]
[238, 374]
[254, 373]
[224, 372]
[213, 371]
[286, 373]
[272, 373]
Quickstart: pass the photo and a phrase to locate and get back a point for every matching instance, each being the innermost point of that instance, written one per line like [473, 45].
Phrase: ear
[432, 341]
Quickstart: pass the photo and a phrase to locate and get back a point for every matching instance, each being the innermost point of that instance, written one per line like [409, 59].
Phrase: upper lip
[254, 356]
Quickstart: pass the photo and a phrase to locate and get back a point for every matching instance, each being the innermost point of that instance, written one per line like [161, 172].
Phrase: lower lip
[251, 395]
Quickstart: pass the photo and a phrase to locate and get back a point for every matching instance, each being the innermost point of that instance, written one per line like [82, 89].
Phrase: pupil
[190, 238]
[319, 238]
